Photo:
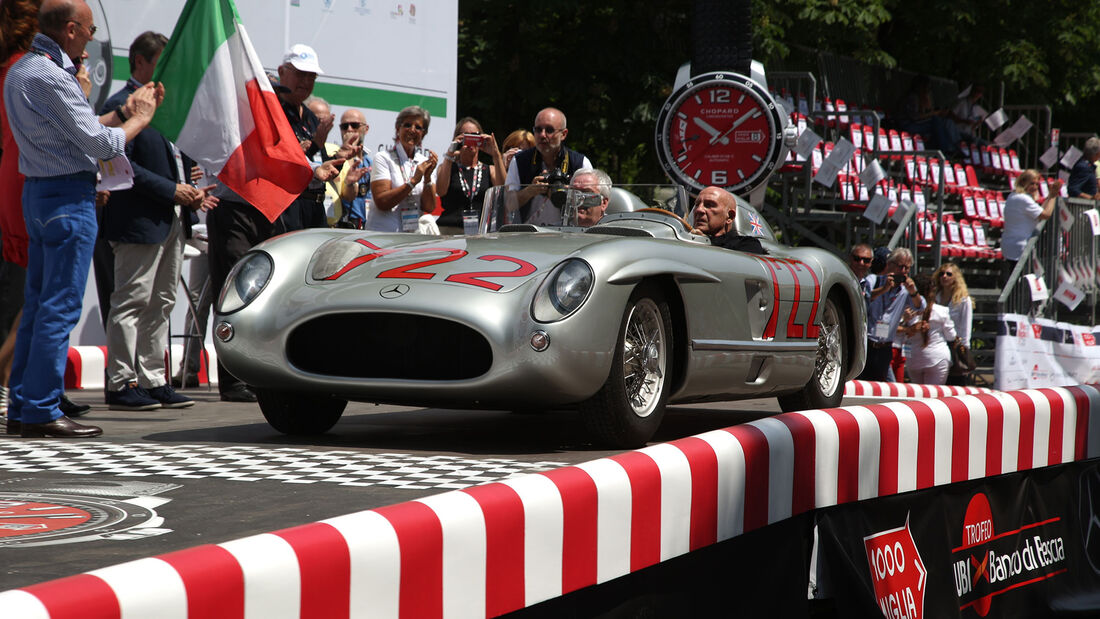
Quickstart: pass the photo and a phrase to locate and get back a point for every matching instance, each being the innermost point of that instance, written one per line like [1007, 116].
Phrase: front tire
[626, 412]
[299, 413]
[826, 386]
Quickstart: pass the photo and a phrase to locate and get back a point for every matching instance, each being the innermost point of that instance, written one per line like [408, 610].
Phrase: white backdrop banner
[1038, 352]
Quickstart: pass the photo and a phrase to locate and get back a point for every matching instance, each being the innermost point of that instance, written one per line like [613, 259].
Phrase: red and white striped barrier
[85, 366]
[500, 547]
[875, 389]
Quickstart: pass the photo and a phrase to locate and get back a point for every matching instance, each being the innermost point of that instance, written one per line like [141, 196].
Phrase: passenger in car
[596, 184]
[714, 215]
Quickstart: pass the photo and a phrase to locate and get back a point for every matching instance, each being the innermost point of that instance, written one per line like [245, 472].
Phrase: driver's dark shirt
[736, 242]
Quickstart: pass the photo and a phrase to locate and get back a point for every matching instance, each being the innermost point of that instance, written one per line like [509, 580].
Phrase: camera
[559, 183]
[473, 140]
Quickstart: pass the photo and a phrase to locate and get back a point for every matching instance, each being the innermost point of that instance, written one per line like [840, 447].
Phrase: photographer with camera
[461, 180]
[544, 171]
[891, 294]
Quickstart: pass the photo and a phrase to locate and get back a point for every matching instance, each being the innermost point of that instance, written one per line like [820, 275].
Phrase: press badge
[882, 330]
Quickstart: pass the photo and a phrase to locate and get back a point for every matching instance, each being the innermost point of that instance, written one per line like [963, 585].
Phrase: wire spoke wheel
[825, 389]
[828, 368]
[644, 357]
[626, 412]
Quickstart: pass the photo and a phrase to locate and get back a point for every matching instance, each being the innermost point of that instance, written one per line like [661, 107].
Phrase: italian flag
[219, 108]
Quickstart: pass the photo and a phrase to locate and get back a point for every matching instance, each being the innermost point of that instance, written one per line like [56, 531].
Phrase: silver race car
[617, 319]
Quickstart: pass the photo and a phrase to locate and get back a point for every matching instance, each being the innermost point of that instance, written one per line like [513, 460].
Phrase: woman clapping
[401, 180]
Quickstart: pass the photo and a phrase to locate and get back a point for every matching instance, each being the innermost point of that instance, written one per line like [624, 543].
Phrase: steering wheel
[683, 222]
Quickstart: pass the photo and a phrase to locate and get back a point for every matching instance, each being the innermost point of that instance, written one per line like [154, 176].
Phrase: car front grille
[386, 345]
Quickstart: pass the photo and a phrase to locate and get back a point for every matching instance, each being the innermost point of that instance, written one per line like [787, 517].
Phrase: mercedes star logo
[394, 291]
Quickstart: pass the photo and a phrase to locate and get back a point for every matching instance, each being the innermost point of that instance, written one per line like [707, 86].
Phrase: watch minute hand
[750, 114]
[709, 129]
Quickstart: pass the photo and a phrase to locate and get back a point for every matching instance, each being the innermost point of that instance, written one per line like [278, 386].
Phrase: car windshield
[564, 207]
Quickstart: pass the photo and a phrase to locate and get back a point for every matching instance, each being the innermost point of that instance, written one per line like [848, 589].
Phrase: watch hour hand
[705, 126]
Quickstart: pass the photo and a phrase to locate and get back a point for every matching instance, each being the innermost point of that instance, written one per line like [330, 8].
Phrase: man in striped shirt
[60, 139]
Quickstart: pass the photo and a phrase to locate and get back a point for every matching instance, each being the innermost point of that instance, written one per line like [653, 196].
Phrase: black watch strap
[721, 35]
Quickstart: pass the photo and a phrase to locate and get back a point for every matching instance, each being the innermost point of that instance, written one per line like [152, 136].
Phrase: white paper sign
[1050, 157]
[872, 173]
[1037, 286]
[1065, 276]
[835, 162]
[1094, 220]
[1022, 126]
[1006, 137]
[1066, 217]
[1069, 295]
[902, 210]
[115, 174]
[877, 208]
[996, 119]
[1071, 157]
[807, 142]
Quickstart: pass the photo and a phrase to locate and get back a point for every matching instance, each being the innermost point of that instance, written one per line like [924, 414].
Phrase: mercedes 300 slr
[618, 319]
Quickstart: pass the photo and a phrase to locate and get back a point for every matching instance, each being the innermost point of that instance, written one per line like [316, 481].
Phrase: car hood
[495, 262]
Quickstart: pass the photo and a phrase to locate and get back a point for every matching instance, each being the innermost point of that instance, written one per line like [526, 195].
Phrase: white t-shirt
[543, 212]
[393, 164]
[941, 330]
[962, 314]
[1021, 214]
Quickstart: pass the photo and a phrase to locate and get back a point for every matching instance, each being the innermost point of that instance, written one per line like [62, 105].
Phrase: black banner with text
[1020, 545]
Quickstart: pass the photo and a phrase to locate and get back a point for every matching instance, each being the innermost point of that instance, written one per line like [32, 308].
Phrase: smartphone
[472, 140]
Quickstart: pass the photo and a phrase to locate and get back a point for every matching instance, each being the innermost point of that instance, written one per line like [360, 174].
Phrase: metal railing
[1057, 248]
[799, 85]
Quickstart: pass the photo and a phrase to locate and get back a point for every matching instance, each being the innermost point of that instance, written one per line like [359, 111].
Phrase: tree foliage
[610, 65]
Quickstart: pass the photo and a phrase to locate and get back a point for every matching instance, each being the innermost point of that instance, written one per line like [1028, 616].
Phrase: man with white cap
[235, 226]
[297, 74]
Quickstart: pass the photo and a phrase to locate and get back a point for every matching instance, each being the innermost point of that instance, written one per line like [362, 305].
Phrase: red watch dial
[719, 129]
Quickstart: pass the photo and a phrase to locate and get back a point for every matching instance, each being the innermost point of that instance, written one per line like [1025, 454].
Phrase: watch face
[720, 129]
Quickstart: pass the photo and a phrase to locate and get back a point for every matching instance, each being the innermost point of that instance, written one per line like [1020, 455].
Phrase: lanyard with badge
[410, 206]
[882, 327]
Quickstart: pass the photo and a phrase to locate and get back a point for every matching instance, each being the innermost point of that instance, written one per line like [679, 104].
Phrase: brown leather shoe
[62, 427]
[14, 427]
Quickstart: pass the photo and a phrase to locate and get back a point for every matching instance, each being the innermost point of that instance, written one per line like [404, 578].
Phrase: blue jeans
[61, 229]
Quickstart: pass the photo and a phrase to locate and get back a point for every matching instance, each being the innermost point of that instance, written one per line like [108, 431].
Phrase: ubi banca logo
[989, 563]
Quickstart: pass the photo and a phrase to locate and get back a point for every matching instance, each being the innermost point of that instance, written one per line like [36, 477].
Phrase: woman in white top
[401, 179]
[929, 332]
[949, 288]
[1022, 212]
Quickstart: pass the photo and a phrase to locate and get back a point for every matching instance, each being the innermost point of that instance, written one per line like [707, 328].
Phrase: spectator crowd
[56, 226]
[58, 223]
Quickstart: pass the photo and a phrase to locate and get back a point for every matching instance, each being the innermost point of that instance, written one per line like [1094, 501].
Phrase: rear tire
[299, 413]
[626, 412]
[826, 387]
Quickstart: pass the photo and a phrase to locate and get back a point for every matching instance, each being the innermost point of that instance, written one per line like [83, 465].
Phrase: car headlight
[334, 256]
[245, 282]
[563, 292]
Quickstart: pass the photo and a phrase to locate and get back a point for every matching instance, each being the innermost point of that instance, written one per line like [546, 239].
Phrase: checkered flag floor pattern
[288, 465]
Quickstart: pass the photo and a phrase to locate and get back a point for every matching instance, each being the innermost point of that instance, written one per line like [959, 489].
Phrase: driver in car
[595, 187]
[714, 214]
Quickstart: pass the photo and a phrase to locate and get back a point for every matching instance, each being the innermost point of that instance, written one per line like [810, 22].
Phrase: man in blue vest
[530, 168]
